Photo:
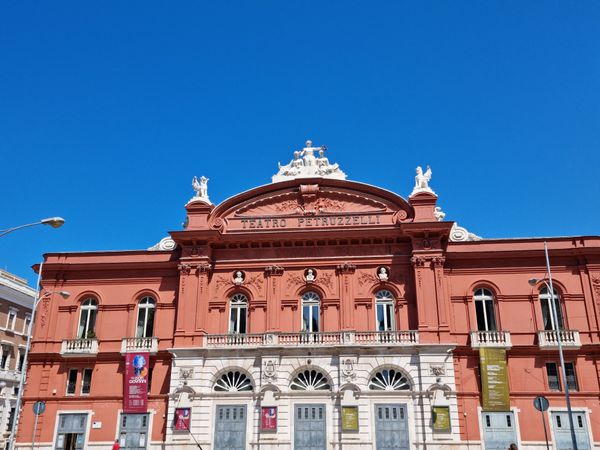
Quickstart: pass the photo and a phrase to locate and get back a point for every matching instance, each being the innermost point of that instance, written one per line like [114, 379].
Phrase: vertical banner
[349, 418]
[135, 389]
[268, 419]
[494, 379]
[182, 419]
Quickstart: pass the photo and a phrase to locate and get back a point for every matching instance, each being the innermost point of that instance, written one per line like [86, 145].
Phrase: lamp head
[54, 222]
[64, 294]
[533, 281]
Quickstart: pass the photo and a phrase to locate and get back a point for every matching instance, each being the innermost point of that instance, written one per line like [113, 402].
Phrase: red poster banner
[268, 418]
[182, 419]
[135, 389]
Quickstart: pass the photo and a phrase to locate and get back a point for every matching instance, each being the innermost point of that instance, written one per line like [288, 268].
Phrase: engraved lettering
[309, 222]
[259, 224]
[283, 223]
[355, 220]
[275, 223]
[252, 223]
[244, 221]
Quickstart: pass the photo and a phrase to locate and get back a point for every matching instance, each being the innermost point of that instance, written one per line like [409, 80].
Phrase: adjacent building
[316, 313]
[16, 301]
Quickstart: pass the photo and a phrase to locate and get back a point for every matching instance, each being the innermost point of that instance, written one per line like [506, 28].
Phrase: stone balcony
[496, 339]
[79, 347]
[139, 344]
[548, 339]
[304, 339]
[10, 375]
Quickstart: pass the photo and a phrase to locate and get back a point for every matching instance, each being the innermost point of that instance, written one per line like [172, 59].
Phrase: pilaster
[273, 275]
[346, 288]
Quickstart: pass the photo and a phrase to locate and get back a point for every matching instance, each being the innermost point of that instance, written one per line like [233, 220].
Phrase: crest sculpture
[306, 165]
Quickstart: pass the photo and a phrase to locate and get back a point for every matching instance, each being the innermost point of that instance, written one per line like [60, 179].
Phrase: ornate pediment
[326, 202]
[310, 204]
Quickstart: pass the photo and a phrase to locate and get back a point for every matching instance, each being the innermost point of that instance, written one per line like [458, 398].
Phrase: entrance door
[309, 427]
[562, 431]
[230, 427]
[499, 430]
[133, 431]
[70, 434]
[391, 427]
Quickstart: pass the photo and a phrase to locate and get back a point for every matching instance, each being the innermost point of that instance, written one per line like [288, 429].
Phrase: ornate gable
[310, 203]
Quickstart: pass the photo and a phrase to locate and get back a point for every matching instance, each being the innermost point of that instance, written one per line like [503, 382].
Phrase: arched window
[485, 310]
[87, 319]
[384, 310]
[310, 312]
[310, 380]
[238, 314]
[389, 380]
[145, 321]
[547, 315]
[233, 381]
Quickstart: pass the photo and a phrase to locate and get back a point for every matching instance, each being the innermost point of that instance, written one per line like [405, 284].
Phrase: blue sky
[108, 109]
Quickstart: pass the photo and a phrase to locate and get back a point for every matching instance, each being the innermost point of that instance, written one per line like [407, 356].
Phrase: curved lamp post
[54, 222]
[549, 286]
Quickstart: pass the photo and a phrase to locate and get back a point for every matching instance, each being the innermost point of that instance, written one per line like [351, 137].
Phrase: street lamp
[549, 286]
[39, 298]
[54, 222]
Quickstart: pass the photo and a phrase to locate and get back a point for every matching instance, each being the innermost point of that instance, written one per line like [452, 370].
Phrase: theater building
[317, 313]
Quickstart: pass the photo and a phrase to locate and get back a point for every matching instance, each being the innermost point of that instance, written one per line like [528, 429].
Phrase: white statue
[383, 274]
[201, 188]
[306, 164]
[310, 275]
[439, 214]
[308, 153]
[422, 181]
[239, 278]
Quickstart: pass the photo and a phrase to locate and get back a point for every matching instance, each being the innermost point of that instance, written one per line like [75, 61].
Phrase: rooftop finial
[201, 188]
[306, 165]
[422, 181]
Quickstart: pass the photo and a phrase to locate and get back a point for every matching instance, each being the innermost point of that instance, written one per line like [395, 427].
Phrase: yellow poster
[494, 379]
[441, 418]
[350, 418]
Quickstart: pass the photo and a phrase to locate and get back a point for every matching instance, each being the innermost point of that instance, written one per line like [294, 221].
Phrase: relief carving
[596, 286]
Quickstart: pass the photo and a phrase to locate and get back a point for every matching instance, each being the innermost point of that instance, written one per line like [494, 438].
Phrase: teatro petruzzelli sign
[308, 222]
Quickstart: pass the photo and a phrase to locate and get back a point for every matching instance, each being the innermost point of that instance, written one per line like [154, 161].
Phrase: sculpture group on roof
[306, 164]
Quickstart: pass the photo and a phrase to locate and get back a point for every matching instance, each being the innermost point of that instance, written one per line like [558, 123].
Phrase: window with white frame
[12, 319]
[71, 381]
[21, 359]
[384, 307]
[26, 324]
[238, 314]
[550, 323]
[86, 381]
[145, 321]
[5, 358]
[310, 312]
[87, 319]
[485, 310]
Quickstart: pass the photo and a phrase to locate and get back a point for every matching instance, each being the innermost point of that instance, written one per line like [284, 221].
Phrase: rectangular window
[571, 376]
[86, 381]
[27, 323]
[11, 417]
[6, 349]
[12, 318]
[21, 360]
[553, 379]
[71, 381]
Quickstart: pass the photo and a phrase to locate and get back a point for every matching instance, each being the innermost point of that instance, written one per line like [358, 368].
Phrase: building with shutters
[316, 313]
[16, 299]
